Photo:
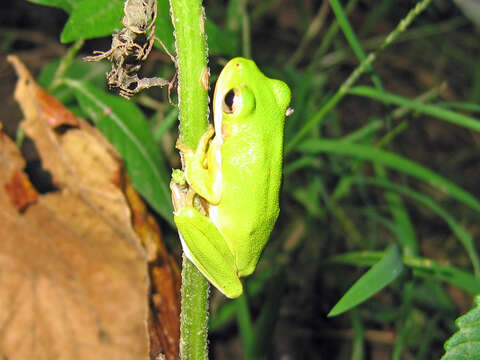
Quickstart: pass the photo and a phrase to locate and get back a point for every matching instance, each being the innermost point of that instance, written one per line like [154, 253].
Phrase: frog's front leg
[202, 167]
[205, 247]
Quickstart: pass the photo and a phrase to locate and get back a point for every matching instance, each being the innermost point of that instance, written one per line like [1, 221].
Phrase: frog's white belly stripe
[217, 187]
[218, 139]
[218, 116]
[213, 214]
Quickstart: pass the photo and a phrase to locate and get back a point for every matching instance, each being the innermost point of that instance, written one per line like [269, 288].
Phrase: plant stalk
[188, 19]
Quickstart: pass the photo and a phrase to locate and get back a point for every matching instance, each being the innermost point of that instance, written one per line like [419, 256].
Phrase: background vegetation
[379, 175]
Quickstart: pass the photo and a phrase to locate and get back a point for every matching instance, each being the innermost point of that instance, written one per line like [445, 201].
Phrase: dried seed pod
[130, 48]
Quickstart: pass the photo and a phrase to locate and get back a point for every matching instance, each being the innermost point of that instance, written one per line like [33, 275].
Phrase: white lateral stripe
[218, 115]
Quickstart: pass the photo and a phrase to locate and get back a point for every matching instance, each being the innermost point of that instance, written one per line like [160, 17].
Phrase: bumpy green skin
[241, 179]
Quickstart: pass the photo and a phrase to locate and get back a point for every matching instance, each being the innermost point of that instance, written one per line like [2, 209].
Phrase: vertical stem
[247, 51]
[188, 19]
[189, 22]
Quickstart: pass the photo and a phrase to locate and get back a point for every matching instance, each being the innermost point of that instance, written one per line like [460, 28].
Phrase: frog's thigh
[208, 251]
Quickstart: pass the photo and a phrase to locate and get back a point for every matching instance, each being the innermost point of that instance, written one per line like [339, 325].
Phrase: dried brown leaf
[74, 283]
[164, 273]
[70, 288]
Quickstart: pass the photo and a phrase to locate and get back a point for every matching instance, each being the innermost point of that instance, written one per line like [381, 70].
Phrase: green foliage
[465, 343]
[67, 5]
[78, 70]
[93, 18]
[394, 161]
[380, 275]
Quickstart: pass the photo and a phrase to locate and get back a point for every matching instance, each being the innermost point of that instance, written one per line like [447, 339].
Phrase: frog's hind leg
[205, 247]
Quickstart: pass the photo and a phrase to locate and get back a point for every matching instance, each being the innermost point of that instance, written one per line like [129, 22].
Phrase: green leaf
[221, 41]
[391, 160]
[421, 267]
[93, 18]
[167, 123]
[380, 275]
[78, 70]
[67, 5]
[126, 128]
[163, 26]
[465, 343]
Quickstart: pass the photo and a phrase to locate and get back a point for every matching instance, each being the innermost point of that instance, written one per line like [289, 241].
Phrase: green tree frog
[236, 171]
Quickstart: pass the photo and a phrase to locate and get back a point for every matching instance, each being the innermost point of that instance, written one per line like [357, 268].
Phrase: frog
[226, 199]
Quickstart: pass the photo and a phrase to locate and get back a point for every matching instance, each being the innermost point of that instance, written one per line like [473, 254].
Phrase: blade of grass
[358, 343]
[391, 160]
[473, 107]
[405, 228]
[403, 326]
[450, 274]
[352, 39]
[380, 275]
[245, 324]
[440, 113]
[330, 35]
[421, 267]
[165, 125]
[269, 315]
[364, 132]
[462, 234]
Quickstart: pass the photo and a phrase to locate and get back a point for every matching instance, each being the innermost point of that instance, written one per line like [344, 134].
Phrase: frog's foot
[206, 248]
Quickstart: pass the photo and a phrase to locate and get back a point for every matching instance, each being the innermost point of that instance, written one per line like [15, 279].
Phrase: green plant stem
[355, 75]
[330, 35]
[189, 22]
[246, 46]
[65, 63]
[244, 322]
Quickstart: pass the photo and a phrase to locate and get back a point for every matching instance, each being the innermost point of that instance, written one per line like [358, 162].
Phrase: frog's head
[242, 89]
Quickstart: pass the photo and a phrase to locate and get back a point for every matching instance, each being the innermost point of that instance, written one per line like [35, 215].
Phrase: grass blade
[462, 234]
[380, 275]
[421, 267]
[352, 39]
[436, 111]
[391, 160]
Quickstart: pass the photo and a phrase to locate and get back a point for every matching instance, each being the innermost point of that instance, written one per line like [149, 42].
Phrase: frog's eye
[238, 101]
[228, 102]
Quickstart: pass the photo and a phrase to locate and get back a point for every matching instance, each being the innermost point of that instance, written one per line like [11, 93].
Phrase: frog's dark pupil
[228, 100]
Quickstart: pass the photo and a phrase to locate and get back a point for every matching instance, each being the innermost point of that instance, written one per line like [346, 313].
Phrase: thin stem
[189, 22]
[247, 49]
[65, 63]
